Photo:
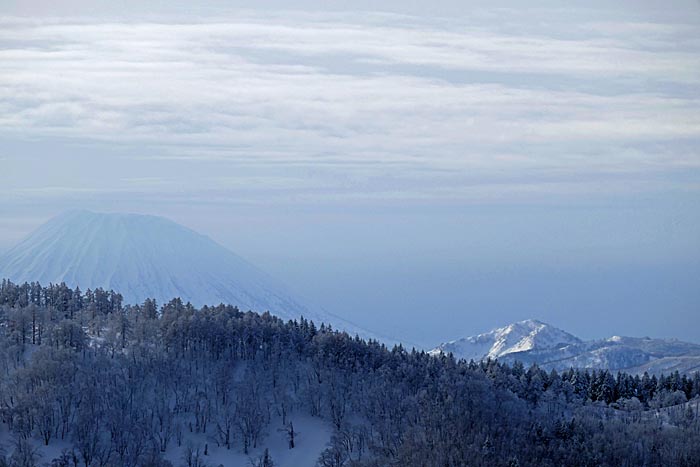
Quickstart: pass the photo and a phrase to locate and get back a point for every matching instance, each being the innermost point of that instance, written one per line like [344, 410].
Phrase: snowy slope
[632, 354]
[149, 257]
[532, 341]
[313, 436]
[517, 337]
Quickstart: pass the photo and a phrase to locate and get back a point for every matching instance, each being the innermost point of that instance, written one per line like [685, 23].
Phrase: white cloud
[360, 95]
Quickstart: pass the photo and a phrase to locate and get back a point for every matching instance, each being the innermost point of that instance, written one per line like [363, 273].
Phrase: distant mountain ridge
[143, 256]
[533, 341]
[517, 337]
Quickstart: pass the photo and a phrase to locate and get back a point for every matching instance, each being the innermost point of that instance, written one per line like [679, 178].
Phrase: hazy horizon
[427, 173]
[310, 293]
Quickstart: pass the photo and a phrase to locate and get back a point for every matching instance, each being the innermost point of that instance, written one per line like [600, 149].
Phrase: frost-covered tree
[123, 384]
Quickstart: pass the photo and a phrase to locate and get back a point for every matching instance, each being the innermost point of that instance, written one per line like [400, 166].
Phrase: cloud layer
[372, 105]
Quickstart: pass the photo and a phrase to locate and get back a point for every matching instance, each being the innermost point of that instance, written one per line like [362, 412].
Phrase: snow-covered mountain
[632, 354]
[517, 337]
[533, 341]
[149, 257]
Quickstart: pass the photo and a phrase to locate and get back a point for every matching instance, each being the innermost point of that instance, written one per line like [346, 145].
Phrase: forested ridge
[122, 383]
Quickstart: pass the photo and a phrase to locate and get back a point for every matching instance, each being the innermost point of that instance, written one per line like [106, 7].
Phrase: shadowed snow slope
[533, 341]
[148, 257]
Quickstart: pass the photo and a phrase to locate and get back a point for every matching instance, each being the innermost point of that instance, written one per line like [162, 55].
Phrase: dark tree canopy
[122, 383]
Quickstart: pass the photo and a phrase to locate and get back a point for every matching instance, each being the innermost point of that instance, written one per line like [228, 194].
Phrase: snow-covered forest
[88, 381]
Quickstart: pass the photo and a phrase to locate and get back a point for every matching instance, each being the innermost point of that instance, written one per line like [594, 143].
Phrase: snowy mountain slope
[517, 337]
[552, 348]
[149, 257]
[682, 364]
[634, 355]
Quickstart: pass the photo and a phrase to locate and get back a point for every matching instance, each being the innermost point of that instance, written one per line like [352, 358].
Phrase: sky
[427, 172]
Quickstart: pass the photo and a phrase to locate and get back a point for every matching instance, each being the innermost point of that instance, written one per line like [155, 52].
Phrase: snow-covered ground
[45, 453]
[312, 437]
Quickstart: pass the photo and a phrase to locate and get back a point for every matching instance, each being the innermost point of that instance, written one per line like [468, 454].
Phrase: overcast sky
[428, 173]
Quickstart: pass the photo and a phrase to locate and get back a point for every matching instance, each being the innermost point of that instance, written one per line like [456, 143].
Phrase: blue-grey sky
[428, 173]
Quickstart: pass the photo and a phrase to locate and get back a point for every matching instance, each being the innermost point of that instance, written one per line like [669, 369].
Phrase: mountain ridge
[631, 354]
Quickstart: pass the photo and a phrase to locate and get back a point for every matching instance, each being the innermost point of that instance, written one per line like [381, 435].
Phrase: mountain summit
[143, 257]
[517, 337]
